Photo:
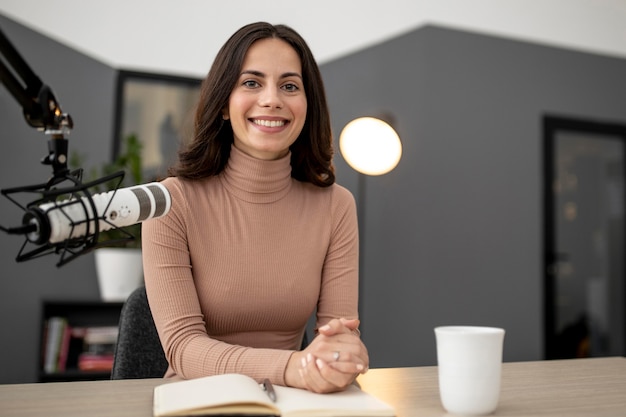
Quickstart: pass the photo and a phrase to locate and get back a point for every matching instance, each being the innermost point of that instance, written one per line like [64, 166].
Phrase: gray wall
[85, 89]
[454, 234]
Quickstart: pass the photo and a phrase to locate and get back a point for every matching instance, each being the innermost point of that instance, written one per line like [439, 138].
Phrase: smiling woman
[259, 236]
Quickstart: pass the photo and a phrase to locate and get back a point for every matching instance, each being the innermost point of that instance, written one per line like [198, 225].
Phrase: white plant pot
[120, 271]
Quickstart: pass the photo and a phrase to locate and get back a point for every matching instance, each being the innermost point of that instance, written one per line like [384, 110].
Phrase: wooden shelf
[73, 375]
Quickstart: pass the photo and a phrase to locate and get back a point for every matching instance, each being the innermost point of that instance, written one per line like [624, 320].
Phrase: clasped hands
[332, 361]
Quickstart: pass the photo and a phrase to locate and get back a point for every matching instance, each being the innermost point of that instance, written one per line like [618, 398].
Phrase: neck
[257, 180]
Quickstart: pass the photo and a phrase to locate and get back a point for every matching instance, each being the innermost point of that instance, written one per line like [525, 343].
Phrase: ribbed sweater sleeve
[234, 270]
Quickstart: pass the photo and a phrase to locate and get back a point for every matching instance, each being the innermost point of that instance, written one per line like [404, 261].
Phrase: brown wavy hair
[208, 152]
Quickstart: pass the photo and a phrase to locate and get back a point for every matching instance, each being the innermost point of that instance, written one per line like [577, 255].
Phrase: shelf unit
[79, 314]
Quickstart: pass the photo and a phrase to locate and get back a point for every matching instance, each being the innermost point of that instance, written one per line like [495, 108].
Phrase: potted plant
[118, 262]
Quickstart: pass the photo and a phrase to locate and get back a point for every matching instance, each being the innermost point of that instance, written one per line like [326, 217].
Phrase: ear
[225, 115]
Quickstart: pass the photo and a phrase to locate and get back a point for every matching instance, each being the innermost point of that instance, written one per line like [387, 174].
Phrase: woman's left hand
[335, 357]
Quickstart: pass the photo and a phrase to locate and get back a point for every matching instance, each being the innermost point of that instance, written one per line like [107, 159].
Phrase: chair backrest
[138, 353]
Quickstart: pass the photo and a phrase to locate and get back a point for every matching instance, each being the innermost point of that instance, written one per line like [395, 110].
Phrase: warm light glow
[370, 146]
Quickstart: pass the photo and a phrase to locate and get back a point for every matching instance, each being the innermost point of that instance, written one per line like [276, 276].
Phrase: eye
[250, 84]
[290, 87]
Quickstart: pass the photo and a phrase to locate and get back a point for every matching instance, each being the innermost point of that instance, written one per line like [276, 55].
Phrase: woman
[259, 236]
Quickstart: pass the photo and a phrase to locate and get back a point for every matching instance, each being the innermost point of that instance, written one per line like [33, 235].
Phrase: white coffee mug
[470, 363]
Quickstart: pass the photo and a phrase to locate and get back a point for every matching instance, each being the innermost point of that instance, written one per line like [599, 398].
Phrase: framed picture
[159, 110]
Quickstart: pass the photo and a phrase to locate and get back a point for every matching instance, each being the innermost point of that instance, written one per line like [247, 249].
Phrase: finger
[352, 324]
[346, 361]
[336, 380]
[338, 326]
[350, 368]
[334, 326]
[344, 347]
[314, 380]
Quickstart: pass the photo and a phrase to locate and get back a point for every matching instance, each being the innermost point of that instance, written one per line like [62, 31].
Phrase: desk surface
[580, 387]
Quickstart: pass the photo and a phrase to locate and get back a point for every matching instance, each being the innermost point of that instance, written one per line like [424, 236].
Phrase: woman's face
[267, 107]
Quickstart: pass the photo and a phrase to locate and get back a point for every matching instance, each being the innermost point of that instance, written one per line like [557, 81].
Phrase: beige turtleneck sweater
[241, 261]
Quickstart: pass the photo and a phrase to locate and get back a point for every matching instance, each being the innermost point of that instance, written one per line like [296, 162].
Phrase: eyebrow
[262, 75]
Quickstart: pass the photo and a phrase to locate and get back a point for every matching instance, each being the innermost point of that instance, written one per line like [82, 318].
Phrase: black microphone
[59, 221]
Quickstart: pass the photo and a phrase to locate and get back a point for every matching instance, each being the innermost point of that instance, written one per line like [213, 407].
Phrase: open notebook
[235, 394]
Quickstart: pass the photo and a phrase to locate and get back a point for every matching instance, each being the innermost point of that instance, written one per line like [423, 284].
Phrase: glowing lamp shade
[370, 146]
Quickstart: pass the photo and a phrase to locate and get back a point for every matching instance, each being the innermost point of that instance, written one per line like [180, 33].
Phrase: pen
[269, 388]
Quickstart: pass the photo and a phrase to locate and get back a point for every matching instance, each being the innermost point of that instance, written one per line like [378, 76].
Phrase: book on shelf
[56, 341]
[95, 362]
[86, 348]
[100, 340]
[236, 395]
[98, 348]
[64, 348]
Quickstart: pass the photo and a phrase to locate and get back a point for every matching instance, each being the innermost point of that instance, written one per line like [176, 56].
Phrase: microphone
[61, 221]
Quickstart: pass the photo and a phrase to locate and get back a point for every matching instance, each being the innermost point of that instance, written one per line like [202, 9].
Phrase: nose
[270, 97]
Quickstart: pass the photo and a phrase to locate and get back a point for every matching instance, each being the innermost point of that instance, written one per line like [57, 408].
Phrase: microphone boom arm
[41, 109]
[43, 112]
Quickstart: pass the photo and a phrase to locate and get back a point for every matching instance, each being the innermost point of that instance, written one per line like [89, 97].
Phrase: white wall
[182, 37]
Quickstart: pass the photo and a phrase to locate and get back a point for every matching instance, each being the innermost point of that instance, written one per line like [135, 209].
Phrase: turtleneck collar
[256, 180]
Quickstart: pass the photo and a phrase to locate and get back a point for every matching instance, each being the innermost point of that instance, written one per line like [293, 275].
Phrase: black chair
[138, 353]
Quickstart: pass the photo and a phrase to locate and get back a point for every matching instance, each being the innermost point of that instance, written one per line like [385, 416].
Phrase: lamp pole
[361, 201]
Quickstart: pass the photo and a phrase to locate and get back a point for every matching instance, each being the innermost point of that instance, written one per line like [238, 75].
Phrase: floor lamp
[371, 147]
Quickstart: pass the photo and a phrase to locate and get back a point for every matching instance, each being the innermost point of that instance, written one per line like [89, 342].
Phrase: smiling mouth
[269, 123]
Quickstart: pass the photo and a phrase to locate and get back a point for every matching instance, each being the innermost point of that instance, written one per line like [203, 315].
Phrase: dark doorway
[584, 237]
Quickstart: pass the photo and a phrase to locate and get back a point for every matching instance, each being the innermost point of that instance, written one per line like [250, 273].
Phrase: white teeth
[269, 123]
